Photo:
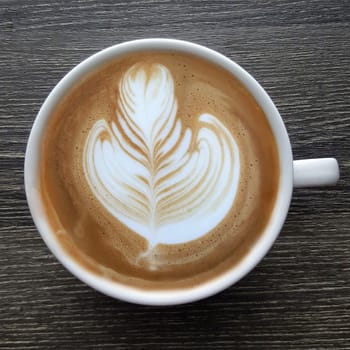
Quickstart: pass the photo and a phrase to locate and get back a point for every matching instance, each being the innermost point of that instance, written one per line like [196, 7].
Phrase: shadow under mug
[310, 172]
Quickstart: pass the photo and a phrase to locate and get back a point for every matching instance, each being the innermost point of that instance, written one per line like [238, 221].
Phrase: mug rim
[148, 296]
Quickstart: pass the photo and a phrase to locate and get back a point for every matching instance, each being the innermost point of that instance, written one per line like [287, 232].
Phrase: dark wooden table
[299, 296]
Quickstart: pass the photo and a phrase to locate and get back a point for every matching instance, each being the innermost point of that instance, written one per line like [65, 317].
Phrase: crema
[159, 170]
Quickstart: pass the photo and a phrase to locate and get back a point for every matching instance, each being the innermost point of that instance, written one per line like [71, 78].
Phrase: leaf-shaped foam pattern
[167, 183]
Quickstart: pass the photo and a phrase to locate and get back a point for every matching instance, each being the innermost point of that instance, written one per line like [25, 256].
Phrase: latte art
[158, 170]
[167, 183]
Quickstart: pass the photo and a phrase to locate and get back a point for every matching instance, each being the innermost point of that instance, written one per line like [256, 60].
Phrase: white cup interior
[159, 297]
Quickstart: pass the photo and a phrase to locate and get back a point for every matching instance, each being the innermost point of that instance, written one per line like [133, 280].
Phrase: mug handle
[315, 172]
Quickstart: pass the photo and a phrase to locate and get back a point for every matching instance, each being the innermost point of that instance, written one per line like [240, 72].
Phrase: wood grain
[299, 296]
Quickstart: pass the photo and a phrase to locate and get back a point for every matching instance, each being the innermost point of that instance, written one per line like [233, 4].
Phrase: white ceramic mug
[310, 172]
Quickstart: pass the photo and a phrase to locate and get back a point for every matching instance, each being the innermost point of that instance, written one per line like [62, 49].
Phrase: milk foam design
[167, 183]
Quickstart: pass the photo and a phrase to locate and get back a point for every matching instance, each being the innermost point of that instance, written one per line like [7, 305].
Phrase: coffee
[159, 170]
